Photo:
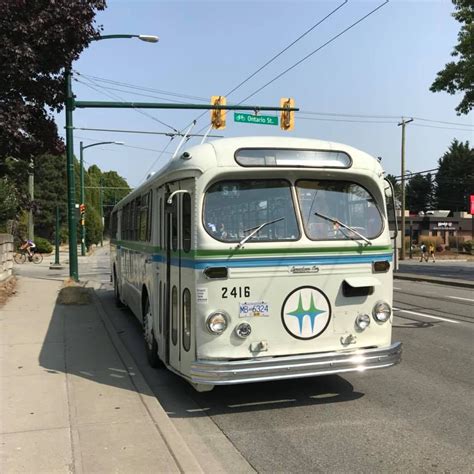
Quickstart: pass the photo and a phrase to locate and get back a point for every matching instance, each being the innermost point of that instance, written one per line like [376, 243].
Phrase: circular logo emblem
[306, 312]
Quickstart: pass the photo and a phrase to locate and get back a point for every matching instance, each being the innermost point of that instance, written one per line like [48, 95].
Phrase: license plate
[254, 310]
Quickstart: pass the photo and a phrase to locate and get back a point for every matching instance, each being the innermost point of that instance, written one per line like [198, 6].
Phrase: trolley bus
[259, 258]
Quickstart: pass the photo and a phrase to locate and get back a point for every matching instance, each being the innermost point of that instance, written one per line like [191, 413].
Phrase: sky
[357, 88]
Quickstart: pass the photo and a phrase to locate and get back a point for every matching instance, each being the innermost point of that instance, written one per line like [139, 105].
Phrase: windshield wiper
[256, 230]
[335, 221]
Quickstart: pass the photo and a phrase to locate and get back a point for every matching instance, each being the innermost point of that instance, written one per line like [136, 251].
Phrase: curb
[436, 280]
[179, 450]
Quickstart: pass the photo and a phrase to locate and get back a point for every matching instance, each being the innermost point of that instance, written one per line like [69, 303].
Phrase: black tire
[19, 258]
[151, 346]
[118, 301]
[37, 258]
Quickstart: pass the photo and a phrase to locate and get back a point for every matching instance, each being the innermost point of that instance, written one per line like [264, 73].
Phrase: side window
[160, 308]
[113, 225]
[161, 224]
[186, 319]
[149, 217]
[186, 222]
[174, 315]
[143, 219]
[174, 228]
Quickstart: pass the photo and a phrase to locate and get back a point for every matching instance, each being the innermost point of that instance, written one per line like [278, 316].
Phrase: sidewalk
[432, 279]
[71, 399]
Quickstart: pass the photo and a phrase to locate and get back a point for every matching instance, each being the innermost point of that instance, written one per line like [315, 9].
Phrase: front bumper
[219, 372]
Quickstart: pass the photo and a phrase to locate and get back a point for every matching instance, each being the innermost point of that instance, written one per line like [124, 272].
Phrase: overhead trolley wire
[98, 88]
[315, 51]
[142, 88]
[278, 55]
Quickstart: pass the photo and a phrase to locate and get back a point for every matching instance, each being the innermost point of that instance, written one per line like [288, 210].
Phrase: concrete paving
[71, 398]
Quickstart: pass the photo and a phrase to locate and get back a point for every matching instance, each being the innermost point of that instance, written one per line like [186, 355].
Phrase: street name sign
[256, 119]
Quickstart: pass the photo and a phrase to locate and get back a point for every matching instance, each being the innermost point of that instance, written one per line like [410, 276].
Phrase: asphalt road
[417, 416]
[442, 268]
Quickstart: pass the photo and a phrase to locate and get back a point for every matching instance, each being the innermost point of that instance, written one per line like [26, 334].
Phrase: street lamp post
[82, 197]
[71, 200]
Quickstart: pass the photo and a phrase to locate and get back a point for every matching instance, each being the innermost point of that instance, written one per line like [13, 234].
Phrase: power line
[442, 128]
[124, 145]
[315, 51]
[115, 96]
[276, 56]
[441, 121]
[329, 114]
[310, 54]
[345, 120]
[159, 156]
[168, 134]
[142, 88]
[287, 48]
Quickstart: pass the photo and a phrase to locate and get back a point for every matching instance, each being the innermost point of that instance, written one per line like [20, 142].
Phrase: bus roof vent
[150, 174]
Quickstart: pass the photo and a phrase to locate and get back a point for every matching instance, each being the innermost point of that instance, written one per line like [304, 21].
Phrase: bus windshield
[234, 209]
[341, 201]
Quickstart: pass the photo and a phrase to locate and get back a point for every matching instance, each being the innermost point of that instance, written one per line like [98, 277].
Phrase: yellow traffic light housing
[287, 117]
[218, 116]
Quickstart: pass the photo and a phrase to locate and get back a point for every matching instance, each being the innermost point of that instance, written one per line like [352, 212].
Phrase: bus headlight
[362, 321]
[217, 322]
[381, 311]
[243, 330]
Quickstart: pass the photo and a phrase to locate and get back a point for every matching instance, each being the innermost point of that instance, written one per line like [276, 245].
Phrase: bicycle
[21, 256]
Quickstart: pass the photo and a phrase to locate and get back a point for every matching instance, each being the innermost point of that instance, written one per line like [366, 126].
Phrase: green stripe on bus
[145, 247]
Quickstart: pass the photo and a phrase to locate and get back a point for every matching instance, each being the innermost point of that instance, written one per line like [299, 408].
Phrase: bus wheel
[151, 347]
[118, 301]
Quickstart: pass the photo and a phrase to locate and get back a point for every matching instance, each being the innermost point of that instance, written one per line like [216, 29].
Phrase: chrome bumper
[219, 372]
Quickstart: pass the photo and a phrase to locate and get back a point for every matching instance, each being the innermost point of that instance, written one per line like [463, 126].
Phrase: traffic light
[218, 116]
[287, 117]
[82, 209]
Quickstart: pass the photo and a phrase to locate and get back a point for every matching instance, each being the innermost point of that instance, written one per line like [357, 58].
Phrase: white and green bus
[259, 258]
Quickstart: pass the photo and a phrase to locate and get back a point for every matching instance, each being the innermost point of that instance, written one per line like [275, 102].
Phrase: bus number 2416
[236, 292]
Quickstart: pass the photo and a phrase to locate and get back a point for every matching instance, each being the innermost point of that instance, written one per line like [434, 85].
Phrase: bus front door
[172, 283]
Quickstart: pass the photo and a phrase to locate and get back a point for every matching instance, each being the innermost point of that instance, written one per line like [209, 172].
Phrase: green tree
[8, 202]
[459, 76]
[115, 188]
[455, 177]
[50, 191]
[93, 227]
[419, 193]
[39, 38]
[396, 186]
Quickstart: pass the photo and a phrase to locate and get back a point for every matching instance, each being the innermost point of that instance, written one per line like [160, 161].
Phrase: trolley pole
[71, 186]
[403, 124]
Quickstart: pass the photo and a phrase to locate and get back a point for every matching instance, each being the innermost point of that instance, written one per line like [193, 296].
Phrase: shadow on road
[89, 354]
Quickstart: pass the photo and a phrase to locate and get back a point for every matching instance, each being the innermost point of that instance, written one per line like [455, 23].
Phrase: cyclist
[30, 247]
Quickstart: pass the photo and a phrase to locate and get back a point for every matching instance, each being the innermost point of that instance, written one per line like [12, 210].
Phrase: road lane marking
[426, 315]
[396, 288]
[269, 402]
[459, 298]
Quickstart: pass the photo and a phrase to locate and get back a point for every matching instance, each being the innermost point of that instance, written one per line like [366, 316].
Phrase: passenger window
[186, 319]
[174, 315]
[186, 222]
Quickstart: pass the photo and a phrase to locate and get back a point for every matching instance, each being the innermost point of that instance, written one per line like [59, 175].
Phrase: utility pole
[403, 124]
[31, 190]
[71, 188]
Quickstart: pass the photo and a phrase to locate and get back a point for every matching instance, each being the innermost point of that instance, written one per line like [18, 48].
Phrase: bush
[43, 245]
[468, 246]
